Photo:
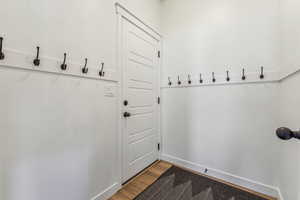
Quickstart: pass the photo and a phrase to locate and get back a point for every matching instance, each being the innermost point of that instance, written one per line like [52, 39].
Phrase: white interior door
[140, 64]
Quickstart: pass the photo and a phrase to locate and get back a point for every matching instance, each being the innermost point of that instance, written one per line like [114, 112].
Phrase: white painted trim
[234, 179]
[235, 79]
[159, 72]
[24, 61]
[130, 16]
[119, 101]
[280, 197]
[252, 78]
[107, 193]
[287, 74]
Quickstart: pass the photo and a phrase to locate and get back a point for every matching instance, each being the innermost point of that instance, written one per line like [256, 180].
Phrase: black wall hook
[287, 134]
[37, 61]
[101, 72]
[213, 75]
[201, 80]
[2, 56]
[85, 69]
[189, 79]
[64, 65]
[179, 82]
[170, 83]
[262, 76]
[244, 76]
[228, 78]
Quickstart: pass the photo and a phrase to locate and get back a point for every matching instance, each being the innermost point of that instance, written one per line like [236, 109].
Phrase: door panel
[139, 123]
[140, 73]
[140, 46]
[140, 97]
[140, 87]
[141, 148]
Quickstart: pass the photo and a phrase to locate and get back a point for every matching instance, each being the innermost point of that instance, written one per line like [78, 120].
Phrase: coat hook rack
[262, 76]
[201, 80]
[101, 72]
[170, 83]
[2, 56]
[244, 76]
[36, 61]
[228, 78]
[85, 69]
[64, 65]
[179, 82]
[214, 79]
[189, 79]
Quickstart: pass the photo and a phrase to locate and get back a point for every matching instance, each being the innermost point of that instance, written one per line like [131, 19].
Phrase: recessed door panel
[141, 148]
[139, 123]
[140, 97]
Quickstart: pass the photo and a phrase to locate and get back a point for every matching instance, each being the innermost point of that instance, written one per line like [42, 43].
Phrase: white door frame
[122, 12]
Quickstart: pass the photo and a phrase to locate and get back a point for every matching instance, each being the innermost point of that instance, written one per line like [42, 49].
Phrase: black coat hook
[189, 79]
[179, 82]
[37, 61]
[262, 76]
[244, 76]
[170, 83]
[201, 80]
[213, 75]
[101, 72]
[2, 56]
[228, 78]
[64, 65]
[287, 134]
[85, 69]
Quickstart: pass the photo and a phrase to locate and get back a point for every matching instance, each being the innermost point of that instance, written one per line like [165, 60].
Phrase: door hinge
[158, 54]
[158, 146]
[158, 100]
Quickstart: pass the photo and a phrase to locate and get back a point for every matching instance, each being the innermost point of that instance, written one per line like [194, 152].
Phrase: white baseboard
[280, 197]
[107, 193]
[234, 179]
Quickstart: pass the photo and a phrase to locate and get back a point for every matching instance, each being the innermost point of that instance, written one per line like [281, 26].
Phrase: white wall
[289, 158]
[58, 134]
[81, 29]
[205, 36]
[231, 127]
[223, 127]
[290, 30]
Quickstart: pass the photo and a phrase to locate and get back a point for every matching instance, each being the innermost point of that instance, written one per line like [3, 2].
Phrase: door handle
[126, 114]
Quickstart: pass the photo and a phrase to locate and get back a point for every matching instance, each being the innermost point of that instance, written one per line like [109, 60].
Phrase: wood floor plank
[141, 182]
[127, 194]
[119, 196]
[146, 179]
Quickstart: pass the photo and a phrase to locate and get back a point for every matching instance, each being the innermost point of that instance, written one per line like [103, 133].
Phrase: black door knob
[126, 114]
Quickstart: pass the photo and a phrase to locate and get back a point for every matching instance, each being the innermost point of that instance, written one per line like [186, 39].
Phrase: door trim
[121, 13]
[121, 10]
